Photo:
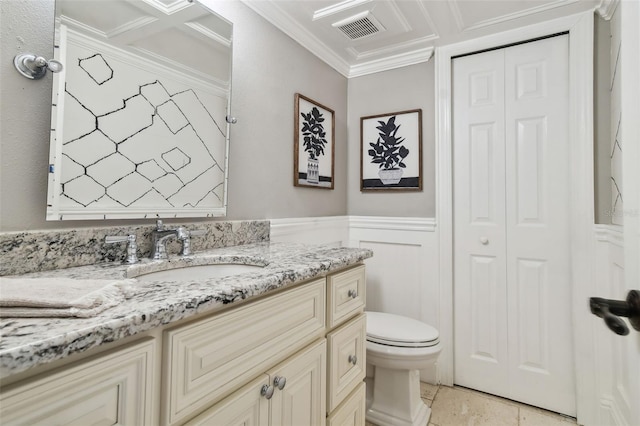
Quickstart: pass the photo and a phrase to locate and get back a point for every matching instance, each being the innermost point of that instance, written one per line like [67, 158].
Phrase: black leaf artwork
[313, 133]
[387, 151]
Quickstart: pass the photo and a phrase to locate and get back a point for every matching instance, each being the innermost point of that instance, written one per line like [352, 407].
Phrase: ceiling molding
[410, 45]
[457, 15]
[607, 8]
[517, 15]
[209, 33]
[136, 24]
[427, 17]
[391, 62]
[400, 16]
[272, 13]
[168, 9]
[337, 8]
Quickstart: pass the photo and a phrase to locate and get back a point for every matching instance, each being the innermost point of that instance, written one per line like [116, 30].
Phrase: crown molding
[337, 8]
[272, 12]
[276, 16]
[391, 62]
[607, 8]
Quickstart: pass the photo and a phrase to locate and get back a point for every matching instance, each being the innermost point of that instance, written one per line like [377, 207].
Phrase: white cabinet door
[513, 333]
[244, 407]
[302, 399]
[112, 389]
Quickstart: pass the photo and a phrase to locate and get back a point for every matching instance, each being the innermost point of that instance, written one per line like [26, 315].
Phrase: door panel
[481, 350]
[537, 225]
[511, 224]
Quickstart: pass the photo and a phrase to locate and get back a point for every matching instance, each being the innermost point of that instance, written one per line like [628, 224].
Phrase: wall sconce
[35, 67]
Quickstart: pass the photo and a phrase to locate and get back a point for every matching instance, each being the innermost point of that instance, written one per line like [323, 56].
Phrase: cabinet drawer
[347, 360]
[208, 359]
[114, 388]
[352, 411]
[346, 295]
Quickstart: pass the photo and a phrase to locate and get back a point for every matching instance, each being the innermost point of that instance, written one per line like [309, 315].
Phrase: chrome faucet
[159, 237]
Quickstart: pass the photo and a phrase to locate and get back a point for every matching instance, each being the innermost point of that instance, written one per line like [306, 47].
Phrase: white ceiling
[411, 28]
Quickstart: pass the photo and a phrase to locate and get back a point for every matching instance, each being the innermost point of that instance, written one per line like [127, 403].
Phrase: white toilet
[397, 348]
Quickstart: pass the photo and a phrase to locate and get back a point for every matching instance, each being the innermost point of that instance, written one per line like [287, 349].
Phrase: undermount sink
[199, 272]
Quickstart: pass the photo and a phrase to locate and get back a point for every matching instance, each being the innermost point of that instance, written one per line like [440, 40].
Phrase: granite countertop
[28, 342]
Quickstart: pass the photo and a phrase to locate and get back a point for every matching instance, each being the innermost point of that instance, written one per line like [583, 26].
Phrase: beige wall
[269, 67]
[401, 89]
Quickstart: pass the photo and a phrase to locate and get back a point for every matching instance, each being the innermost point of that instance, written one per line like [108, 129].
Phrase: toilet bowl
[397, 349]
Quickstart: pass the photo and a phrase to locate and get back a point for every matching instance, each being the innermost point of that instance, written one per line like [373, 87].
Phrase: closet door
[511, 225]
[541, 369]
[480, 303]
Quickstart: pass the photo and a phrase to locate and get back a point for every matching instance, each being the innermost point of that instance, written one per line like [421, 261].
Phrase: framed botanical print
[391, 151]
[314, 142]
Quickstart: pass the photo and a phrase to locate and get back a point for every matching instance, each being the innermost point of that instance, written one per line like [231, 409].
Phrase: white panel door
[479, 223]
[511, 225]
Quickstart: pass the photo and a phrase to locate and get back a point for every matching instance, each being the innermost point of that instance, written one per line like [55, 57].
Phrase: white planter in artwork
[313, 171]
[390, 176]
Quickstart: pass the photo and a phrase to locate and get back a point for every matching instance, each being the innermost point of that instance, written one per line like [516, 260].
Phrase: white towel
[60, 297]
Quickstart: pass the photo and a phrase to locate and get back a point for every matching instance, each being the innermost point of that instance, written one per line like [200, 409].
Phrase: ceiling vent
[359, 26]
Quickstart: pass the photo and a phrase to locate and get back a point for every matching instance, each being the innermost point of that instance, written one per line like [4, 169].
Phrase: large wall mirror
[139, 112]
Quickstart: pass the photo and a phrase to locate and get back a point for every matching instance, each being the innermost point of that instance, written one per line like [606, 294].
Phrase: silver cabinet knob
[352, 293]
[353, 359]
[484, 240]
[267, 391]
[280, 382]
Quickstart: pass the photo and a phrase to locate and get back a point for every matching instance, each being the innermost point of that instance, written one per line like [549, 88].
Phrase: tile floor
[456, 406]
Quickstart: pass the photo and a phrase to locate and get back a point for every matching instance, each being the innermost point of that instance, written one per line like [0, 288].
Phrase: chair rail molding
[580, 29]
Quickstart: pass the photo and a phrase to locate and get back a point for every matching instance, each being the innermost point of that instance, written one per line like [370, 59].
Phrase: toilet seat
[398, 331]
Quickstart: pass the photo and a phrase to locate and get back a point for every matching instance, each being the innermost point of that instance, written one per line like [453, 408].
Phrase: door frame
[580, 29]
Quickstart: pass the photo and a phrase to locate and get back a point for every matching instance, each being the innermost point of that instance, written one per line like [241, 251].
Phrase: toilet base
[395, 400]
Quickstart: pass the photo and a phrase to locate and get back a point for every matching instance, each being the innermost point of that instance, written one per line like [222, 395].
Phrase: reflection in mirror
[138, 116]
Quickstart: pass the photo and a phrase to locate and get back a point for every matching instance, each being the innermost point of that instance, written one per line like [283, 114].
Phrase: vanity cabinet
[296, 357]
[114, 388]
[208, 359]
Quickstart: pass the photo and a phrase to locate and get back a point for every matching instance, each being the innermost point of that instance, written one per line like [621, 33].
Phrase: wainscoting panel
[332, 230]
[402, 275]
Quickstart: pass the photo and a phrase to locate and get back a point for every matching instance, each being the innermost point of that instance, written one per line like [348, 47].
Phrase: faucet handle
[132, 245]
[185, 235]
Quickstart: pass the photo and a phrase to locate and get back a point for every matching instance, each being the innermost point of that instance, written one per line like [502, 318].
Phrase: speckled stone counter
[27, 343]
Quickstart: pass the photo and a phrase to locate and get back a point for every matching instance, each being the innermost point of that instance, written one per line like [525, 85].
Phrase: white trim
[607, 8]
[272, 12]
[613, 234]
[580, 28]
[419, 224]
[390, 62]
[295, 226]
[337, 8]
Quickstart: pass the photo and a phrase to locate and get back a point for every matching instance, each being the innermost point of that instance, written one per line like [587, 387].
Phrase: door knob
[279, 382]
[267, 391]
[612, 310]
[484, 241]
